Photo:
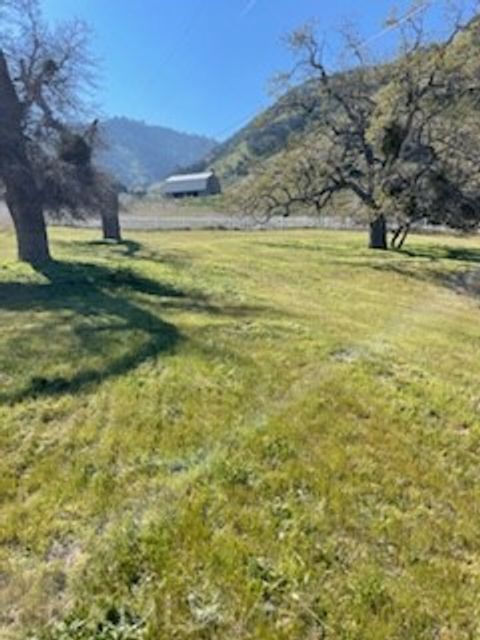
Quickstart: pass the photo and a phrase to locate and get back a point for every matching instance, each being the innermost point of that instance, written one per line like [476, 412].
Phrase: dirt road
[169, 219]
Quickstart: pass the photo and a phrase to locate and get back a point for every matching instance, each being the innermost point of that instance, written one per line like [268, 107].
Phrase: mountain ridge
[139, 154]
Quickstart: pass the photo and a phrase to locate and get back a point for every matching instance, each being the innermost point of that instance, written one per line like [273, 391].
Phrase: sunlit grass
[251, 435]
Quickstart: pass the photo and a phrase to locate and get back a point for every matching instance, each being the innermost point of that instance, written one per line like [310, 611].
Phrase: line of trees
[401, 137]
[46, 165]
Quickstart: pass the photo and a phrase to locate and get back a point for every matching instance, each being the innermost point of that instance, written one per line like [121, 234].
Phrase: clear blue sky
[201, 65]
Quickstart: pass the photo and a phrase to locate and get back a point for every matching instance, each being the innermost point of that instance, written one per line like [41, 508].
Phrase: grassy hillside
[269, 436]
[271, 134]
[261, 139]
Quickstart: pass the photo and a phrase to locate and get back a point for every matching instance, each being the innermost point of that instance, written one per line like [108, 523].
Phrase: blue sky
[201, 65]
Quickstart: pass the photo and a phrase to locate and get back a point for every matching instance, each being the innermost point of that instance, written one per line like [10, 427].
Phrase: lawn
[269, 435]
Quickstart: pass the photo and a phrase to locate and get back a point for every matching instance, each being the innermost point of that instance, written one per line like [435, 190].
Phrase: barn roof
[189, 182]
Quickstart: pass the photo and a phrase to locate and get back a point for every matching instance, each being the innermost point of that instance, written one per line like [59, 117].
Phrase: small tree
[384, 133]
[72, 184]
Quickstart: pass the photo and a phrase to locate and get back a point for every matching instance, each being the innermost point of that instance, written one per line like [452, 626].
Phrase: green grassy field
[264, 435]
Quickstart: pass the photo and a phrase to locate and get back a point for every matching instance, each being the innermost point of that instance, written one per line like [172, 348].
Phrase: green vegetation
[398, 137]
[264, 435]
[265, 137]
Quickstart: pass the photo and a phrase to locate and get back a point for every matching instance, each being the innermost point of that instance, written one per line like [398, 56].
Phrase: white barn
[192, 184]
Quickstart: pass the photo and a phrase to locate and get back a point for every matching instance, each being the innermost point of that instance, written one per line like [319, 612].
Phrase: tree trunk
[378, 233]
[25, 206]
[24, 199]
[406, 231]
[111, 218]
[396, 235]
[399, 237]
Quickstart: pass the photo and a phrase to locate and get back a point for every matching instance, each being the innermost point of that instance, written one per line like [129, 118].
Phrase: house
[192, 184]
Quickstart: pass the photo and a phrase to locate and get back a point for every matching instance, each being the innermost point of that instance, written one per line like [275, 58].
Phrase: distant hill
[261, 139]
[141, 154]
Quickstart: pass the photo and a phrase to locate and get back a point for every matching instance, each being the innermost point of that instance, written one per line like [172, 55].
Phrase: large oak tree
[46, 78]
[401, 137]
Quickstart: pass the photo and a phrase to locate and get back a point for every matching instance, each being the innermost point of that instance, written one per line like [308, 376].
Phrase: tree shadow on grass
[109, 320]
[435, 253]
[130, 249]
[463, 281]
[89, 299]
[431, 253]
